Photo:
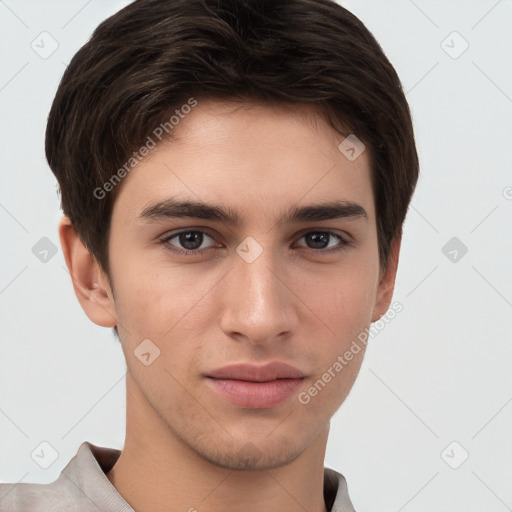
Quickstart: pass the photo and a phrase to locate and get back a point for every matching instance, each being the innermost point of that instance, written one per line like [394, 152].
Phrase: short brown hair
[147, 60]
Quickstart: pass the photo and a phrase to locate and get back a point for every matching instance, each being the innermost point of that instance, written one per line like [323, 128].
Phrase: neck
[158, 472]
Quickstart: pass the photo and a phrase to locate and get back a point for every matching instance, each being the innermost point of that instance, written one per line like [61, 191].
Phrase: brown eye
[321, 240]
[187, 242]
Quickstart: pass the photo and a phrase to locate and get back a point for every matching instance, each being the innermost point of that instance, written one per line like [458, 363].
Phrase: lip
[250, 372]
[257, 387]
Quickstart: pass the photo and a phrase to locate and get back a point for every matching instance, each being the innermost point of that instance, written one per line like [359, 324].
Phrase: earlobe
[91, 285]
[387, 281]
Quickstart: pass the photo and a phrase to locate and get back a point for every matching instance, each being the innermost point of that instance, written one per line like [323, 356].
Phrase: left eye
[321, 239]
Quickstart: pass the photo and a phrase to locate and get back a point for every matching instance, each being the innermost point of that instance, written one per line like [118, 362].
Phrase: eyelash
[184, 252]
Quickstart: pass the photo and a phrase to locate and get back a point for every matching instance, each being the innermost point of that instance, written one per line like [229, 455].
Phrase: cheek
[343, 299]
[344, 308]
[164, 303]
[345, 314]
[350, 304]
[341, 303]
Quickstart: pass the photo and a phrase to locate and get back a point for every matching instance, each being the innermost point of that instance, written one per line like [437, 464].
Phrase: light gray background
[438, 373]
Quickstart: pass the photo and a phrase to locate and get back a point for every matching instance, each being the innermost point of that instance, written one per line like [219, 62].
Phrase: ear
[387, 280]
[90, 283]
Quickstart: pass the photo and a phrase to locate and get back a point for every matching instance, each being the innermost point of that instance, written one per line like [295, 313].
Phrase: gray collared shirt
[84, 486]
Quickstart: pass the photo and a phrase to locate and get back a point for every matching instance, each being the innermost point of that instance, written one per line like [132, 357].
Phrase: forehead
[254, 159]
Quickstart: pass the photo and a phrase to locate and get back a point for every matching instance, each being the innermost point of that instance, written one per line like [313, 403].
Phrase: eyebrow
[172, 208]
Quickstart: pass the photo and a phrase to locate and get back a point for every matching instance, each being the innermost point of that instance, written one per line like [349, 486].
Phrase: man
[234, 178]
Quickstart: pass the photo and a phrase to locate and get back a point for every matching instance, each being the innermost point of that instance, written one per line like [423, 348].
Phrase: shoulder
[29, 497]
[82, 485]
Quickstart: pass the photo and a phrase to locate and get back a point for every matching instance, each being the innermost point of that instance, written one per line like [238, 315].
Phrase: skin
[186, 446]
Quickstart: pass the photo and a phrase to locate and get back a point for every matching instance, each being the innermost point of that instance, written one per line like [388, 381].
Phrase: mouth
[256, 387]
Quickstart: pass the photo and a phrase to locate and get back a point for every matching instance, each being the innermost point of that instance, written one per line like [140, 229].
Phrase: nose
[258, 303]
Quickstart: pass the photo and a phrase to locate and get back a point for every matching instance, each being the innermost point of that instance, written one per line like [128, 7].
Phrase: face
[261, 286]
